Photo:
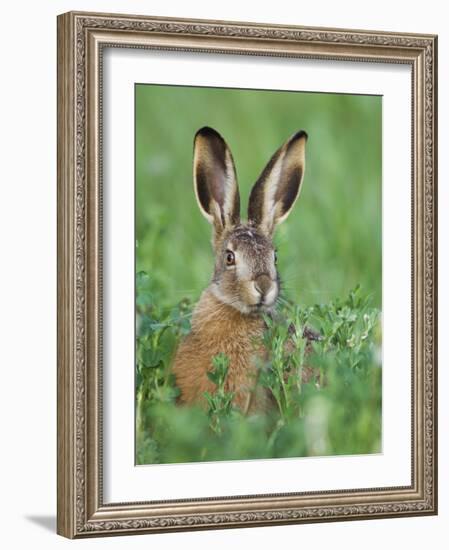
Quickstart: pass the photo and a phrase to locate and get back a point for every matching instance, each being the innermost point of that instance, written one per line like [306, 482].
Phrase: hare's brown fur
[220, 328]
[229, 315]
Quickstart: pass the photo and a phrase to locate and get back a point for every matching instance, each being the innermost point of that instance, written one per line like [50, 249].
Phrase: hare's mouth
[264, 307]
[252, 310]
[260, 307]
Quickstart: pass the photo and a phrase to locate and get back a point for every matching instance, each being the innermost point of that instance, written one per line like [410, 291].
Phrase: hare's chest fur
[218, 328]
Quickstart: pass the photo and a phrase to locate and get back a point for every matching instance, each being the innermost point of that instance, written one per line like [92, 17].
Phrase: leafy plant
[219, 402]
[326, 391]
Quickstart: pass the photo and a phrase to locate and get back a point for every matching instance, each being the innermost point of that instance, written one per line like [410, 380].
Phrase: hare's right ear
[215, 181]
[275, 192]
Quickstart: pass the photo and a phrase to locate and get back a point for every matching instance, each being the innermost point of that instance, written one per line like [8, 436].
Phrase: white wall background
[28, 270]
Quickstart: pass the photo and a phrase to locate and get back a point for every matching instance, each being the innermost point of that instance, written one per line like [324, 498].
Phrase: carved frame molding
[81, 39]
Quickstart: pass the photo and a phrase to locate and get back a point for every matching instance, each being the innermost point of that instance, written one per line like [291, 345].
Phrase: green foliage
[282, 374]
[157, 332]
[336, 411]
[220, 401]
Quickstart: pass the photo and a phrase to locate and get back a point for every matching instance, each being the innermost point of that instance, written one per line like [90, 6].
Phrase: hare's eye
[230, 258]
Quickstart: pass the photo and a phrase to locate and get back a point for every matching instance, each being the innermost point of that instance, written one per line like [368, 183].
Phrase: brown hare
[228, 317]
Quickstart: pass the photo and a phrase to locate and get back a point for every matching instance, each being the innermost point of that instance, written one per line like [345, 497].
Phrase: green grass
[338, 414]
[330, 245]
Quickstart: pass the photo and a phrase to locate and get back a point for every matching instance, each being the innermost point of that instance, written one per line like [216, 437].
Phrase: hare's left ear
[278, 187]
[215, 181]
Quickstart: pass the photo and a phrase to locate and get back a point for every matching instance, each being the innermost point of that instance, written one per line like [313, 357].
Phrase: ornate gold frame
[81, 39]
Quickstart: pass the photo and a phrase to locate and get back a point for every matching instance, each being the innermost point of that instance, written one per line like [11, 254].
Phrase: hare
[228, 317]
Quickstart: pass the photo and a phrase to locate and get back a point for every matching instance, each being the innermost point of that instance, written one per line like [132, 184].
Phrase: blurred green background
[332, 239]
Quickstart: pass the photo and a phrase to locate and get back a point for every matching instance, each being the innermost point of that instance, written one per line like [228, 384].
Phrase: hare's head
[245, 275]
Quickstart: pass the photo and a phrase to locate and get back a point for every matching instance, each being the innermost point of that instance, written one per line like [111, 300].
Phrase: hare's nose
[263, 284]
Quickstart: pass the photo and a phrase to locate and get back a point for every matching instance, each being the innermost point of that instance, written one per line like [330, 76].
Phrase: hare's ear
[215, 180]
[277, 188]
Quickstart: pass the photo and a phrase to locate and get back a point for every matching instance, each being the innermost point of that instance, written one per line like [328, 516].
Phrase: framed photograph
[247, 283]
